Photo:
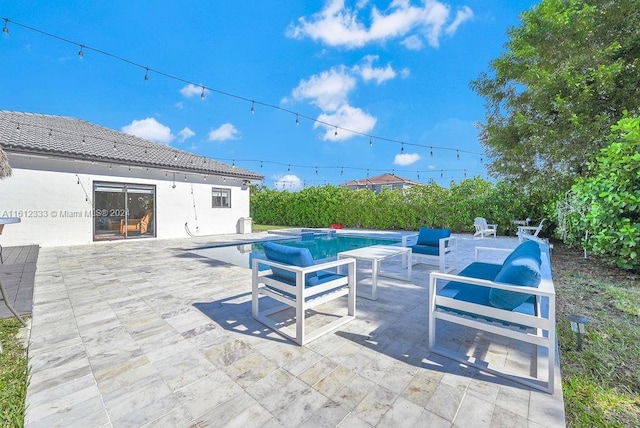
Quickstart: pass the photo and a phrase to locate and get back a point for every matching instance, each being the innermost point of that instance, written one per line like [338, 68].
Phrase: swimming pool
[322, 247]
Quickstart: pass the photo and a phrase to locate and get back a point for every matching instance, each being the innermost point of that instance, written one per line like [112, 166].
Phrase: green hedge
[428, 205]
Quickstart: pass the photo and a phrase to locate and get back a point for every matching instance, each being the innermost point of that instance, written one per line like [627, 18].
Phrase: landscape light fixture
[578, 323]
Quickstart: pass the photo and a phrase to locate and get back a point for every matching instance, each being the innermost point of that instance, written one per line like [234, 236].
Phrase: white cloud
[413, 43]
[192, 90]
[346, 117]
[462, 15]
[328, 90]
[149, 129]
[338, 25]
[405, 159]
[288, 182]
[224, 132]
[369, 72]
[185, 133]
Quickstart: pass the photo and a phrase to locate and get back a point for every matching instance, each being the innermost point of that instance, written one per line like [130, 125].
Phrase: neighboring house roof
[379, 180]
[70, 138]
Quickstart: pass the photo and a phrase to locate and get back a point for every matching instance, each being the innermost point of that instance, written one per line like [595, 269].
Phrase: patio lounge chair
[530, 232]
[297, 282]
[482, 228]
[515, 299]
[433, 245]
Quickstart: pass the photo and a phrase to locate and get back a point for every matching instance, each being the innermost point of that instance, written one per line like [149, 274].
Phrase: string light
[167, 75]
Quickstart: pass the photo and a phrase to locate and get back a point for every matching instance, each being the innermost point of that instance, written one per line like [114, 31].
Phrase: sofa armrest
[408, 240]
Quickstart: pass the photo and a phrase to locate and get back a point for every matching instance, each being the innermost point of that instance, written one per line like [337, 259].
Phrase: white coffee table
[375, 254]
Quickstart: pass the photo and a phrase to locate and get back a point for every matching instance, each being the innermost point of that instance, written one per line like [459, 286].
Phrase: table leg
[375, 264]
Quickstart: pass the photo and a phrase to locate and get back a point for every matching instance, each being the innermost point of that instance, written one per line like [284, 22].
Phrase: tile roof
[72, 138]
[378, 180]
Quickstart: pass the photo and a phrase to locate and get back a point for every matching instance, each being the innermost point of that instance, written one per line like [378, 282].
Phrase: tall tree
[568, 73]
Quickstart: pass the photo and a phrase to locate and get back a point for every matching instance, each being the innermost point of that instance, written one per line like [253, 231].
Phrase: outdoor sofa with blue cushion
[297, 282]
[515, 299]
[433, 244]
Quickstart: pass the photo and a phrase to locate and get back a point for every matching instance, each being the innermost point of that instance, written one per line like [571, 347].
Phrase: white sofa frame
[440, 308]
[300, 297]
[446, 247]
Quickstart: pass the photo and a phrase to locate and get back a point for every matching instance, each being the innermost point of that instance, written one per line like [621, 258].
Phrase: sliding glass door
[123, 211]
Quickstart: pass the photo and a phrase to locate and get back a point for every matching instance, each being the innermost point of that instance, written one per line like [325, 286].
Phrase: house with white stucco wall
[75, 182]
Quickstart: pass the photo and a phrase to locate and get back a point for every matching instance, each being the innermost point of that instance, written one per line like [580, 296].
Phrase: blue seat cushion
[431, 237]
[285, 254]
[425, 249]
[523, 271]
[476, 270]
[322, 277]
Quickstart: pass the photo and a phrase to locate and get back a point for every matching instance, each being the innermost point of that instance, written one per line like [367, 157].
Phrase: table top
[9, 220]
[375, 252]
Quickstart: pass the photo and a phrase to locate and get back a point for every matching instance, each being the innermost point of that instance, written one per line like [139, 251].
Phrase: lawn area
[13, 374]
[601, 383]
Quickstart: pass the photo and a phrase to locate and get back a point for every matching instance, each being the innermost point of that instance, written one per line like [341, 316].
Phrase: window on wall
[220, 198]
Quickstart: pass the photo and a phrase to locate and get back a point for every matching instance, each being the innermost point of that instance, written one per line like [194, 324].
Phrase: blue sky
[393, 72]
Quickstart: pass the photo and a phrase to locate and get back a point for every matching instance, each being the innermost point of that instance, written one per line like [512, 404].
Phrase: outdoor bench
[515, 299]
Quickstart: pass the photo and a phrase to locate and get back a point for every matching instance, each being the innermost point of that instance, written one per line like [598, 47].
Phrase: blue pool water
[321, 246]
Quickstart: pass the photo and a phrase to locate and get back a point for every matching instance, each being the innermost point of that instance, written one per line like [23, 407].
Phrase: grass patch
[13, 375]
[601, 383]
[265, 227]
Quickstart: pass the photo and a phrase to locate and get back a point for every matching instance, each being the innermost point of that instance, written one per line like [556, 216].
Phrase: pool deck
[146, 333]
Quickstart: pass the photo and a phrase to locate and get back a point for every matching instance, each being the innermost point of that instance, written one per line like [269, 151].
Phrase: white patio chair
[297, 282]
[482, 228]
[530, 232]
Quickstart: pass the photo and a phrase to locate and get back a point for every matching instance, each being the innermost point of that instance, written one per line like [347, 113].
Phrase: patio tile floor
[145, 333]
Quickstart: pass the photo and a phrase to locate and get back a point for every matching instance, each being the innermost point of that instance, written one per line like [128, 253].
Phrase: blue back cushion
[288, 255]
[431, 237]
[522, 271]
[528, 249]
